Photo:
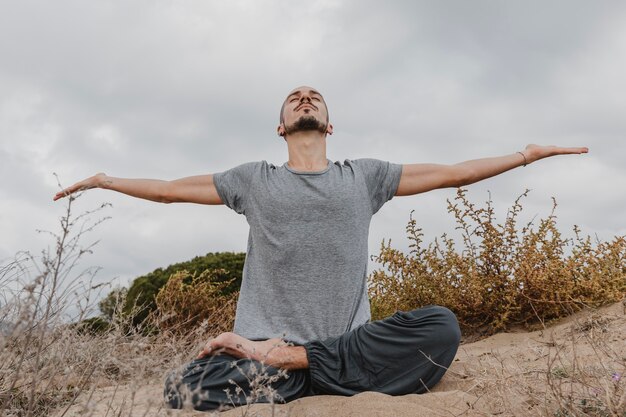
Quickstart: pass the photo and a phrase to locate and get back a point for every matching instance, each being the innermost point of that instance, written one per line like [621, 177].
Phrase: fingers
[204, 353]
[212, 347]
[69, 190]
[208, 351]
[583, 150]
[91, 182]
[572, 150]
[61, 194]
[224, 342]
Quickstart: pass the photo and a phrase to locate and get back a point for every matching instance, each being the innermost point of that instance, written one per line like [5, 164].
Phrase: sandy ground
[505, 374]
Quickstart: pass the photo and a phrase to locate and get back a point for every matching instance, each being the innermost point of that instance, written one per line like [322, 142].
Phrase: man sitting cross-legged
[303, 307]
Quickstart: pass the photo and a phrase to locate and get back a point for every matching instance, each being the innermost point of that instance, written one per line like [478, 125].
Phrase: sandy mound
[581, 359]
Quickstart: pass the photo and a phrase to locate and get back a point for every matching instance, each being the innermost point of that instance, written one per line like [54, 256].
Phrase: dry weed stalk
[589, 385]
[37, 367]
[50, 354]
[502, 276]
[259, 388]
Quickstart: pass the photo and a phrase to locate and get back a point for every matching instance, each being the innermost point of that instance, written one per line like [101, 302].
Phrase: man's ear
[329, 129]
[281, 130]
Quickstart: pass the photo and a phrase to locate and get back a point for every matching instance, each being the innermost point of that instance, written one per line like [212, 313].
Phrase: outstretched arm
[419, 178]
[198, 189]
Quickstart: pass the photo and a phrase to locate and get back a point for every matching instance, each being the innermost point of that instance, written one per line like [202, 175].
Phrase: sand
[505, 374]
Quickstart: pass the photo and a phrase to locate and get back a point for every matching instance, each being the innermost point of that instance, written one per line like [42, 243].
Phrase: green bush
[93, 326]
[140, 296]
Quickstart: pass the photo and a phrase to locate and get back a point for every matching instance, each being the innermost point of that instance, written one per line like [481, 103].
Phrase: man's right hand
[92, 182]
[199, 189]
[273, 352]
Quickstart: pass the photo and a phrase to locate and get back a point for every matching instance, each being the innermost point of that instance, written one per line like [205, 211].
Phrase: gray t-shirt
[305, 272]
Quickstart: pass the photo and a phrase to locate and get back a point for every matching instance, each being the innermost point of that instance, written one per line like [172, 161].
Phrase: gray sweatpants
[406, 353]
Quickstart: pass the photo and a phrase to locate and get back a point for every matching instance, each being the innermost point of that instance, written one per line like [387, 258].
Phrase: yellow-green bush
[502, 275]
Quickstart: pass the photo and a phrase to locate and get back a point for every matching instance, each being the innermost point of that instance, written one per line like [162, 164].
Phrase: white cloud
[166, 90]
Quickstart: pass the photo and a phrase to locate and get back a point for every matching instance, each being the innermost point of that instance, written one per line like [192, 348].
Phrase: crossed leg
[408, 352]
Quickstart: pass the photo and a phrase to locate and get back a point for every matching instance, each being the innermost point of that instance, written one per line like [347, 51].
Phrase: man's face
[304, 109]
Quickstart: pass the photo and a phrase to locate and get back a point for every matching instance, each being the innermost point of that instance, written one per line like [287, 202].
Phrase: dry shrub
[51, 358]
[502, 276]
[188, 302]
[39, 365]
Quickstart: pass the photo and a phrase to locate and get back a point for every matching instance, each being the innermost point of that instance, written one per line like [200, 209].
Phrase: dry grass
[591, 385]
[40, 366]
[573, 369]
[45, 361]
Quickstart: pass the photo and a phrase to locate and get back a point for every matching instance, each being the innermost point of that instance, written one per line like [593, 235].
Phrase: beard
[306, 123]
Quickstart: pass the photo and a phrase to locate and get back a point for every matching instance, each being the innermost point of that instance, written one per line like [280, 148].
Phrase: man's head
[304, 109]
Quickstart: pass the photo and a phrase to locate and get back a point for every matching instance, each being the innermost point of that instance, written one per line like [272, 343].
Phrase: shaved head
[303, 110]
[297, 91]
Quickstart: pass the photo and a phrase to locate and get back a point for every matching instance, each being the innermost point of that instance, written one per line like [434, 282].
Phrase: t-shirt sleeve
[232, 185]
[382, 179]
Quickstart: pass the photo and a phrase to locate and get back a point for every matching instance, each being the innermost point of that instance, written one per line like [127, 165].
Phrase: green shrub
[93, 326]
[141, 296]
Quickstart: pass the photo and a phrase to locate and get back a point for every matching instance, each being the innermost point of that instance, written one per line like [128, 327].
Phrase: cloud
[166, 90]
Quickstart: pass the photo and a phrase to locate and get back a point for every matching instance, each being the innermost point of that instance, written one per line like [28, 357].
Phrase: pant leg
[224, 381]
[406, 353]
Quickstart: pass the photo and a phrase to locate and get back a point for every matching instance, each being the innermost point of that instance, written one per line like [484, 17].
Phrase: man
[303, 305]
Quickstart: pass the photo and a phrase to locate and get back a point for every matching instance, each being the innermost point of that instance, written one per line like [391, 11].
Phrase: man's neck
[307, 151]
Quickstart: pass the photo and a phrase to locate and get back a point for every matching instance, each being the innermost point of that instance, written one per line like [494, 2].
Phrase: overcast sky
[165, 89]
